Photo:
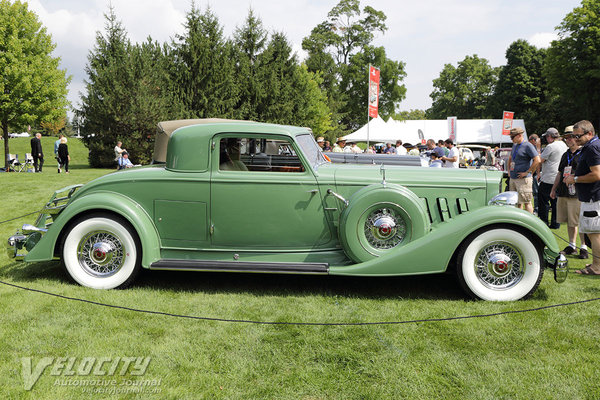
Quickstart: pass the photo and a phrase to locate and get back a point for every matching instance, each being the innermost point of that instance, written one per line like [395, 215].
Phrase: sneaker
[59, 170]
[569, 250]
[583, 254]
[555, 226]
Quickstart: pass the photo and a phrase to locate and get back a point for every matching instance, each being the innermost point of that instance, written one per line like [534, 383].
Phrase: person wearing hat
[567, 203]
[522, 162]
[587, 184]
[338, 147]
[321, 142]
[550, 159]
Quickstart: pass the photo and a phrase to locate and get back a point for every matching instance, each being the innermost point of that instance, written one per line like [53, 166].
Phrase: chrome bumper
[557, 262]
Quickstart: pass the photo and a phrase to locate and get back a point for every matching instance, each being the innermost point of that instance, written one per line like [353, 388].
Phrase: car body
[249, 197]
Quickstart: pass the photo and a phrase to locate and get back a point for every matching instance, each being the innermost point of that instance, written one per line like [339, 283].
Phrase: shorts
[524, 187]
[589, 217]
[567, 210]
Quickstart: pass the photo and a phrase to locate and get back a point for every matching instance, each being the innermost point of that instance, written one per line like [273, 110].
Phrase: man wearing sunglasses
[523, 161]
[587, 182]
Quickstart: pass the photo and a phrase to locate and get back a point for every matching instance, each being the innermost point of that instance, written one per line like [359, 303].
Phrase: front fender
[101, 201]
[433, 252]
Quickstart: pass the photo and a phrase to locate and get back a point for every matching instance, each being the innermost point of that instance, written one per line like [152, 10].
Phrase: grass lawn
[547, 354]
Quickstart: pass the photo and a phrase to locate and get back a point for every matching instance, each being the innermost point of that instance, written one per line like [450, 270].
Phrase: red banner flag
[507, 120]
[373, 91]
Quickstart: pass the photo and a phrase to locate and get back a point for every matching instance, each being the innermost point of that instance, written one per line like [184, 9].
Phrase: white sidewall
[531, 260]
[71, 261]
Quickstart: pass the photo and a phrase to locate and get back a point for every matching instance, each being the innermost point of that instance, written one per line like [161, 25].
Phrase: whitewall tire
[102, 252]
[499, 265]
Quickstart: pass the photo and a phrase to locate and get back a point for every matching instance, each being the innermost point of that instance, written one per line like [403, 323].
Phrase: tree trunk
[6, 149]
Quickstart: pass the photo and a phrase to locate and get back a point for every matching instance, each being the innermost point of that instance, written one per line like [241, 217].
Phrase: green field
[552, 353]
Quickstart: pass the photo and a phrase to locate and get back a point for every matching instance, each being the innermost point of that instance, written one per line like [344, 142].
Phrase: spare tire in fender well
[380, 218]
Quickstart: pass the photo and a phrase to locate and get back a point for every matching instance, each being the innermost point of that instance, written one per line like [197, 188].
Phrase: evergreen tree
[203, 75]
[127, 95]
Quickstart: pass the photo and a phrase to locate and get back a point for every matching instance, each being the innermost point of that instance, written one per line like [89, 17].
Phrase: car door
[264, 196]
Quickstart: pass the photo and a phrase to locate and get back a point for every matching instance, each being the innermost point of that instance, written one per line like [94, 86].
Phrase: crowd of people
[564, 176]
[444, 151]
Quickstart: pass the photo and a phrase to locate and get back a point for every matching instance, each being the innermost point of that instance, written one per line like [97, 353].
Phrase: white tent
[487, 131]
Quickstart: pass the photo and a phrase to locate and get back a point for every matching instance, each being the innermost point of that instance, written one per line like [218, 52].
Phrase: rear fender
[100, 201]
[433, 252]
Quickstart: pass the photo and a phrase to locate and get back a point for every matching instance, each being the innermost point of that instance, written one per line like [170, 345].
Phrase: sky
[424, 34]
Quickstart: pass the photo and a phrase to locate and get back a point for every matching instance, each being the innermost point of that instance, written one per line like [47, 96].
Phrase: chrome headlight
[504, 199]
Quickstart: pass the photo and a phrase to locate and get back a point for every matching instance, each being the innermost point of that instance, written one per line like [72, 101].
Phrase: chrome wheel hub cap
[100, 254]
[384, 229]
[499, 265]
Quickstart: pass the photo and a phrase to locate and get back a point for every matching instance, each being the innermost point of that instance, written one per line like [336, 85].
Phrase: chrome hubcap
[499, 265]
[100, 253]
[384, 229]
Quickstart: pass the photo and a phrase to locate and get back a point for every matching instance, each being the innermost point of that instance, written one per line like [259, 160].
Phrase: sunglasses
[579, 136]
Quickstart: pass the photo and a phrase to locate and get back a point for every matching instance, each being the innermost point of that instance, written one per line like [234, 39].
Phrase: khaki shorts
[567, 210]
[524, 187]
[591, 223]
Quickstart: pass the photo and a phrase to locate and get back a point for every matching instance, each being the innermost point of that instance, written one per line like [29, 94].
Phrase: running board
[241, 266]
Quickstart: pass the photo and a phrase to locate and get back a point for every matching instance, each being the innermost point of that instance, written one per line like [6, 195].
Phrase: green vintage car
[251, 197]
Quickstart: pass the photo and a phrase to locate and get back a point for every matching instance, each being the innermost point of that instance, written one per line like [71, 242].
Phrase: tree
[410, 115]
[340, 50]
[128, 93]
[463, 91]
[203, 75]
[355, 83]
[250, 41]
[573, 64]
[54, 127]
[33, 88]
[272, 86]
[522, 87]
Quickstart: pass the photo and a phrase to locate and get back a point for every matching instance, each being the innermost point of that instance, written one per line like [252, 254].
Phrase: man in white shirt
[452, 158]
[550, 156]
[354, 148]
[400, 150]
[118, 151]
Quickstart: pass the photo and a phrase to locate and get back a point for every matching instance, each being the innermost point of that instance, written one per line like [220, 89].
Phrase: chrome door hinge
[212, 229]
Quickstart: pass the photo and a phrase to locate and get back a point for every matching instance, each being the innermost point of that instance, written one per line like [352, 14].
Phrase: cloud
[542, 39]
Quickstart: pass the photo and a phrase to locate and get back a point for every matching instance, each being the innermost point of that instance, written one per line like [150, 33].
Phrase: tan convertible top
[166, 129]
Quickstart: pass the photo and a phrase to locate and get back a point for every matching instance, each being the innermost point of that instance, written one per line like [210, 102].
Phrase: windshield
[311, 149]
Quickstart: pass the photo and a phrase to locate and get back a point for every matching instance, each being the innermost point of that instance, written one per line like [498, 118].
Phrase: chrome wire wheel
[499, 265]
[100, 253]
[384, 229]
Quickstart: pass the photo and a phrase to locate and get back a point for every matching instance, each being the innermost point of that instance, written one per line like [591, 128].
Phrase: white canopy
[488, 131]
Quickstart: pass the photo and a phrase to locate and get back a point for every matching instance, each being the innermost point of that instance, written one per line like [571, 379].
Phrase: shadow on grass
[428, 287]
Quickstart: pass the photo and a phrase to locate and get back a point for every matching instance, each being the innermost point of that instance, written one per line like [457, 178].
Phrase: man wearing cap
[567, 204]
[550, 159]
[587, 183]
[523, 160]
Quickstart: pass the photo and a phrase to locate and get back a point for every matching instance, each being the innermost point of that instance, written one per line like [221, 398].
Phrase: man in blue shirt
[587, 183]
[523, 161]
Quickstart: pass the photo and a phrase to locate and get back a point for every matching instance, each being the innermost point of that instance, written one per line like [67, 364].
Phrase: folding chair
[27, 166]
[13, 162]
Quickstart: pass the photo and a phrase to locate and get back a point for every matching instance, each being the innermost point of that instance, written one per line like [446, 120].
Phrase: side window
[256, 154]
